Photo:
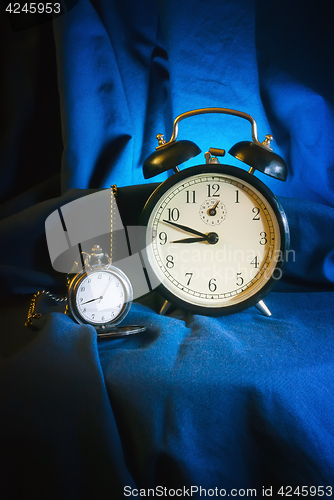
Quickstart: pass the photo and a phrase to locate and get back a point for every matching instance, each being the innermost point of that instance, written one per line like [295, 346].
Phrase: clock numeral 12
[213, 190]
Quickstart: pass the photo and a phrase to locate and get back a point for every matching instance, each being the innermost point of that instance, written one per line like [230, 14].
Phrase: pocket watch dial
[214, 239]
[100, 296]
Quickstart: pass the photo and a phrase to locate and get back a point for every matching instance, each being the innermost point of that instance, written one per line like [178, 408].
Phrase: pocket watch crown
[96, 256]
[97, 250]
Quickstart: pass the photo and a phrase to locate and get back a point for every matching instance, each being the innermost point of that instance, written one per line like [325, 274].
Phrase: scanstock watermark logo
[192, 491]
[199, 492]
[24, 15]
[75, 228]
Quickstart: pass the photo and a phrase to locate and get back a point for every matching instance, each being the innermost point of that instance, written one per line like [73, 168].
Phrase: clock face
[215, 238]
[100, 297]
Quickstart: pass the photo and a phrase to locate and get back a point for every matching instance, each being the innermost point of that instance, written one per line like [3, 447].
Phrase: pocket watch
[216, 235]
[100, 295]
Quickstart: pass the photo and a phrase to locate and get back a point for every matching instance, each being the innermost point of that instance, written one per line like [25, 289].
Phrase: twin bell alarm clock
[216, 236]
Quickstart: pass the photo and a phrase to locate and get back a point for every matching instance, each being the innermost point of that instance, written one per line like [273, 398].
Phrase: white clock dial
[100, 297]
[219, 258]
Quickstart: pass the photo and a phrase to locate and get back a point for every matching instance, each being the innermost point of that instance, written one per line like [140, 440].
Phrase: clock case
[258, 155]
[242, 175]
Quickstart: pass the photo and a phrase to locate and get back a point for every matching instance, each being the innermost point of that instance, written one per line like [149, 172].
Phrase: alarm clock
[216, 236]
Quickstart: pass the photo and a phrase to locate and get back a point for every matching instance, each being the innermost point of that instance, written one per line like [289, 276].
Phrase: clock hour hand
[190, 240]
[186, 228]
[211, 238]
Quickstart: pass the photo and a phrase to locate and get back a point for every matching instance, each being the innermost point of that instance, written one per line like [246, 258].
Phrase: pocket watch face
[215, 239]
[100, 297]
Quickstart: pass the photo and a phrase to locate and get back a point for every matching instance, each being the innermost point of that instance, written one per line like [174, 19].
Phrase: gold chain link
[31, 313]
[113, 197]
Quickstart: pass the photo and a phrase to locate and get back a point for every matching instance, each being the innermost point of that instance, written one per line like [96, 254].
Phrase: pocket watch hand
[105, 291]
[91, 300]
[185, 228]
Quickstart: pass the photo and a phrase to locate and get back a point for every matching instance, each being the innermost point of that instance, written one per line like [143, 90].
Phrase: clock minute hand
[186, 228]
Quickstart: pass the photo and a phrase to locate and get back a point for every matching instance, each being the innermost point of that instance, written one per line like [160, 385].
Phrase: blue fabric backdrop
[236, 402]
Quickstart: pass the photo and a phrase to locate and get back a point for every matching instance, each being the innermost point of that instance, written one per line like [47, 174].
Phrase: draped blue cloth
[237, 402]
